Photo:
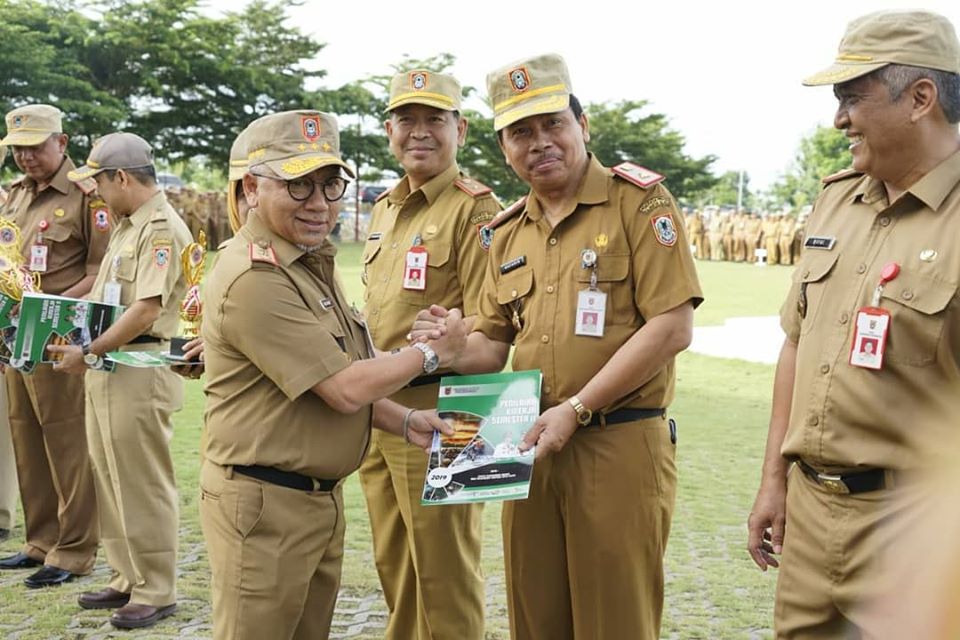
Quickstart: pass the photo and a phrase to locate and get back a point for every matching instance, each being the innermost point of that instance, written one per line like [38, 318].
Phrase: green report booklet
[480, 462]
[47, 320]
[8, 335]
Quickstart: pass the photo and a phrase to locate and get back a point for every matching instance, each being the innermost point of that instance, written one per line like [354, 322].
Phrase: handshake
[445, 331]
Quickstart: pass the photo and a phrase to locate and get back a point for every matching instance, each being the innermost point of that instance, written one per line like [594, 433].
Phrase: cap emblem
[519, 79]
[418, 80]
[19, 121]
[310, 126]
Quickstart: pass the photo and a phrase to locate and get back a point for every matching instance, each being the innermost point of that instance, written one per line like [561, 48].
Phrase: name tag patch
[820, 242]
[513, 265]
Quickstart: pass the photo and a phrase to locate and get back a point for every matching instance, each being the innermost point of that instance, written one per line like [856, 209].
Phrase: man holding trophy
[129, 410]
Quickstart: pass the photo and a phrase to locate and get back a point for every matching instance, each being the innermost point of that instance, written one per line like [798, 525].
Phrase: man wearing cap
[290, 379]
[584, 553]
[65, 228]
[433, 590]
[129, 410]
[877, 268]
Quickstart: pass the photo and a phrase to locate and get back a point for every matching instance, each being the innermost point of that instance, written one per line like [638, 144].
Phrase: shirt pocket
[917, 316]
[811, 276]
[331, 323]
[57, 233]
[438, 255]
[514, 293]
[612, 272]
[370, 251]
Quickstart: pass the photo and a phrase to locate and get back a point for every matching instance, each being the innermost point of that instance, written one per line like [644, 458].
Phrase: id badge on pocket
[111, 293]
[591, 312]
[38, 257]
[870, 338]
[415, 269]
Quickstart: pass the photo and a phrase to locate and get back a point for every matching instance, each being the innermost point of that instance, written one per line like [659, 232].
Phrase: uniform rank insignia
[640, 176]
[664, 229]
[263, 252]
[513, 265]
[486, 236]
[161, 256]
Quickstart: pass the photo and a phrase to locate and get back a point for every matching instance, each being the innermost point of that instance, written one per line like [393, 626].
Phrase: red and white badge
[872, 326]
[415, 269]
[38, 257]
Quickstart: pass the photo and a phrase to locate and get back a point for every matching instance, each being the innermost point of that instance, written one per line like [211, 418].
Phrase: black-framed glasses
[301, 189]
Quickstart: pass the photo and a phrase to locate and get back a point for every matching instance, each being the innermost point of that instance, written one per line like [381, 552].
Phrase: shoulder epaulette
[383, 194]
[18, 182]
[841, 175]
[87, 185]
[472, 187]
[507, 213]
[634, 173]
[263, 252]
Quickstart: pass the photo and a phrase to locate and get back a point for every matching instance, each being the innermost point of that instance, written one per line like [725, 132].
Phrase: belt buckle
[832, 484]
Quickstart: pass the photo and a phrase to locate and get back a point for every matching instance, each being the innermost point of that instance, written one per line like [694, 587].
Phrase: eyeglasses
[301, 189]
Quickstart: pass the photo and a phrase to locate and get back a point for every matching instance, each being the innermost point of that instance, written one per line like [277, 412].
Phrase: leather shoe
[48, 576]
[108, 598]
[19, 561]
[137, 616]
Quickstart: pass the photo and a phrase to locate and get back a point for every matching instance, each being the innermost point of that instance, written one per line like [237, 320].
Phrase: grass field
[713, 590]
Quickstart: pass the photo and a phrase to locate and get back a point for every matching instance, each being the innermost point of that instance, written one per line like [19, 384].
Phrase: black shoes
[48, 577]
[19, 561]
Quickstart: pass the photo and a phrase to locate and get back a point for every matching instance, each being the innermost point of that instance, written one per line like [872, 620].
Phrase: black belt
[859, 482]
[286, 479]
[145, 339]
[626, 415]
[425, 380]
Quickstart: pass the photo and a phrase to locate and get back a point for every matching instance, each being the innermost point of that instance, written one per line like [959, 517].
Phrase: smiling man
[428, 557]
[879, 268]
[591, 279]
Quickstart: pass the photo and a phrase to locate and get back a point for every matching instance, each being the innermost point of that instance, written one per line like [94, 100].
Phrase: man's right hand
[193, 355]
[430, 324]
[767, 522]
[453, 340]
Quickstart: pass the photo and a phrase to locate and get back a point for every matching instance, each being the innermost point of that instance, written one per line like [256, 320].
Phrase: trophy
[192, 259]
[15, 279]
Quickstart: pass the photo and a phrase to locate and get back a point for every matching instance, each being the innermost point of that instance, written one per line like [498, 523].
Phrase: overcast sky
[726, 73]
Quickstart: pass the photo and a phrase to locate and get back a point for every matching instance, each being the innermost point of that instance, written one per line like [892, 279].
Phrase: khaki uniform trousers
[786, 250]
[129, 430]
[739, 249]
[834, 562]
[700, 246]
[53, 468]
[275, 556]
[8, 467]
[727, 247]
[428, 557]
[773, 253]
[584, 553]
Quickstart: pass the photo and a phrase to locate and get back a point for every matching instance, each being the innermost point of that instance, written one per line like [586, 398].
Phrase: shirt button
[813, 421]
[544, 338]
[907, 295]
[884, 221]
[513, 293]
[550, 288]
[806, 274]
[861, 268]
[553, 241]
[393, 246]
[824, 368]
[547, 389]
[843, 318]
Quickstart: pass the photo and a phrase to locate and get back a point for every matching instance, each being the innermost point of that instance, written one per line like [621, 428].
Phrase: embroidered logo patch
[418, 80]
[520, 79]
[101, 219]
[486, 236]
[19, 121]
[664, 230]
[161, 256]
[310, 127]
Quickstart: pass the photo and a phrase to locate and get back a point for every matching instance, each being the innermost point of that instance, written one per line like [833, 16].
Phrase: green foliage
[822, 153]
[725, 191]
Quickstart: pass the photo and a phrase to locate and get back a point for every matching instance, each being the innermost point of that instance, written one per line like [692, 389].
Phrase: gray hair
[897, 77]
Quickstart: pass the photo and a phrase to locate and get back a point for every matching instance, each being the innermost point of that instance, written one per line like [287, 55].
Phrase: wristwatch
[430, 360]
[584, 415]
[91, 359]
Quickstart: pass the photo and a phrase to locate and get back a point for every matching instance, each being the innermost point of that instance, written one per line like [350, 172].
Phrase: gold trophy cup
[192, 258]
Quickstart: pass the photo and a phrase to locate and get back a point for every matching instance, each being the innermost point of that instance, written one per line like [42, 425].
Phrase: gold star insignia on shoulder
[326, 146]
[302, 147]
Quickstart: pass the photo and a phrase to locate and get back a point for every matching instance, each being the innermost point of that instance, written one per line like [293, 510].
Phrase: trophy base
[177, 352]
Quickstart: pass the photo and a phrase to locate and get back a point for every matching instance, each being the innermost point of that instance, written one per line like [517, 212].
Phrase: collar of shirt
[594, 189]
[932, 189]
[431, 189]
[257, 231]
[145, 211]
[60, 182]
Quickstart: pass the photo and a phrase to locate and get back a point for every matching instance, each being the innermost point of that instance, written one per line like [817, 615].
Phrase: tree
[725, 192]
[822, 153]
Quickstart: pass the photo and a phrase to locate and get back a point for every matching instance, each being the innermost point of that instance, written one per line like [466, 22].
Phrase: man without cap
[584, 553]
[878, 266]
[428, 557]
[290, 380]
[65, 226]
[129, 410]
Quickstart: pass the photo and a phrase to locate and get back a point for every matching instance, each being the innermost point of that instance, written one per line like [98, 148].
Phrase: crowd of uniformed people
[590, 278]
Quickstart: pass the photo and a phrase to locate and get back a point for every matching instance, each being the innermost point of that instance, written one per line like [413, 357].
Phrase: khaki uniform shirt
[843, 416]
[447, 221]
[640, 275]
[272, 332]
[78, 232]
[144, 258]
